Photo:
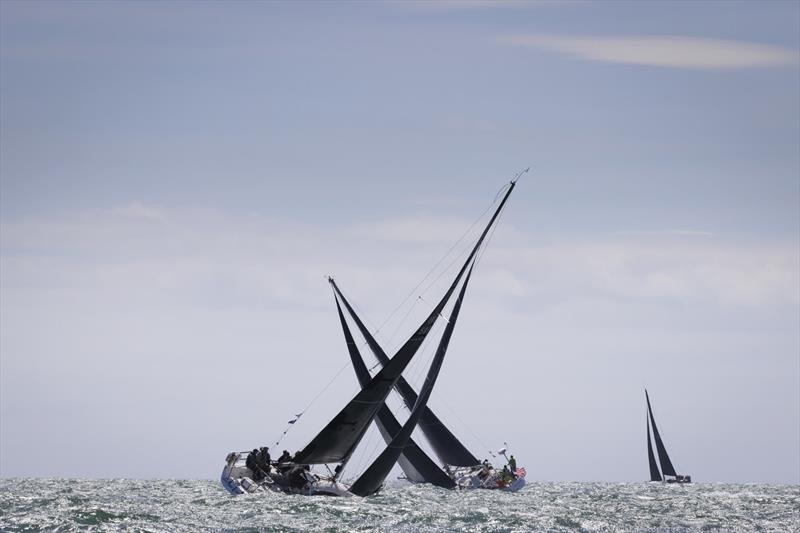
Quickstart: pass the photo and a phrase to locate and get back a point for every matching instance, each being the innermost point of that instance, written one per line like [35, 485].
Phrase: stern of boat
[516, 485]
[235, 477]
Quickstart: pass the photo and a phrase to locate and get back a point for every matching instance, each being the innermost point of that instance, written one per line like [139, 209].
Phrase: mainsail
[415, 463]
[666, 465]
[655, 475]
[373, 477]
[446, 446]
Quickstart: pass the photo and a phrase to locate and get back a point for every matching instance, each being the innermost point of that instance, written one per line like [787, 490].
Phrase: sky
[178, 178]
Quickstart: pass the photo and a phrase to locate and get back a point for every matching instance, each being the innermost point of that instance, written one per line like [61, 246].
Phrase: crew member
[252, 464]
[264, 459]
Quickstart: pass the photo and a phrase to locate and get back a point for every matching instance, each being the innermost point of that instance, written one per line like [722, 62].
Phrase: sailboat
[337, 441]
[670, 476]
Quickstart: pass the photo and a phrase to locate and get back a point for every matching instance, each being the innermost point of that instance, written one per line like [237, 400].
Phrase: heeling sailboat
[461, 467]
[670, 476]
[337, 441]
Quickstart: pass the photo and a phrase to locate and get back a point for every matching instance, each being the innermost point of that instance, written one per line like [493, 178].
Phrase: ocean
[174, 506]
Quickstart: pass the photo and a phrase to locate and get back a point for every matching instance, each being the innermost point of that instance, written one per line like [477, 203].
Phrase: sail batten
[663, 457]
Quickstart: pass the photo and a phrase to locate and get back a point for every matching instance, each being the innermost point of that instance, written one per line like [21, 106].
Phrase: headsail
[415, 463]
[655, 475]
[446, 446]
[666, 465]
[373, 477]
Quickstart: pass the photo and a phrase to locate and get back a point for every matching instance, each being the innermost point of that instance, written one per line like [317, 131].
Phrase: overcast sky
[176, 179]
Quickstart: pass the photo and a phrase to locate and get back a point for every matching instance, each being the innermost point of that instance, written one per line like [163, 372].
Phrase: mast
[666, 465]
[444, 443]
[655, 475]
[415, 463]
[373, 477]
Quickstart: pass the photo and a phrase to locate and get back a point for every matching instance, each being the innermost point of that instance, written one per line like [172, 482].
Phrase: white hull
[470, 478]
[238, 479]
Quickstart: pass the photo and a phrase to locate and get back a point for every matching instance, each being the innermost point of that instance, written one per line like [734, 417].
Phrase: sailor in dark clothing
[264, 455]
[285, 457]
[252, 464]
[263, 460]
[284, 462]
[512, 465]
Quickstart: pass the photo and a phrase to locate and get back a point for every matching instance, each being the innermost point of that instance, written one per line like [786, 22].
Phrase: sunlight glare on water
[168, 505]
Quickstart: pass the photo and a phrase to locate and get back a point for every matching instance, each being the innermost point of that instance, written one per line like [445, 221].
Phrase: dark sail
[655, 475]
[415, 463]
[666, 465]
[446, 446]
[337, 440]
[373, 477]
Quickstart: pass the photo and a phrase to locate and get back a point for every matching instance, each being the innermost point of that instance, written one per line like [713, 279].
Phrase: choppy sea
[168, 505]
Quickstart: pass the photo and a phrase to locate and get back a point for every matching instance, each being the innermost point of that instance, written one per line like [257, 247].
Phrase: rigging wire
[292, 422]
[439, 262]
[402, 321]
[422, 362]
[411, 293]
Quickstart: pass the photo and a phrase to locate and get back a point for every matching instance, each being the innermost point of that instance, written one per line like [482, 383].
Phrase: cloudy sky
[176, 179]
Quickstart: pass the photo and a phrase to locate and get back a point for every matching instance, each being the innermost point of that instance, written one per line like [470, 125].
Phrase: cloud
[662, 51]
[420, 229]
[672, 269]
[204, 257]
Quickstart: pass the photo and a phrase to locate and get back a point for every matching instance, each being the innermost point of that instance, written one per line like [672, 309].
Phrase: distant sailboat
[670, 476]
